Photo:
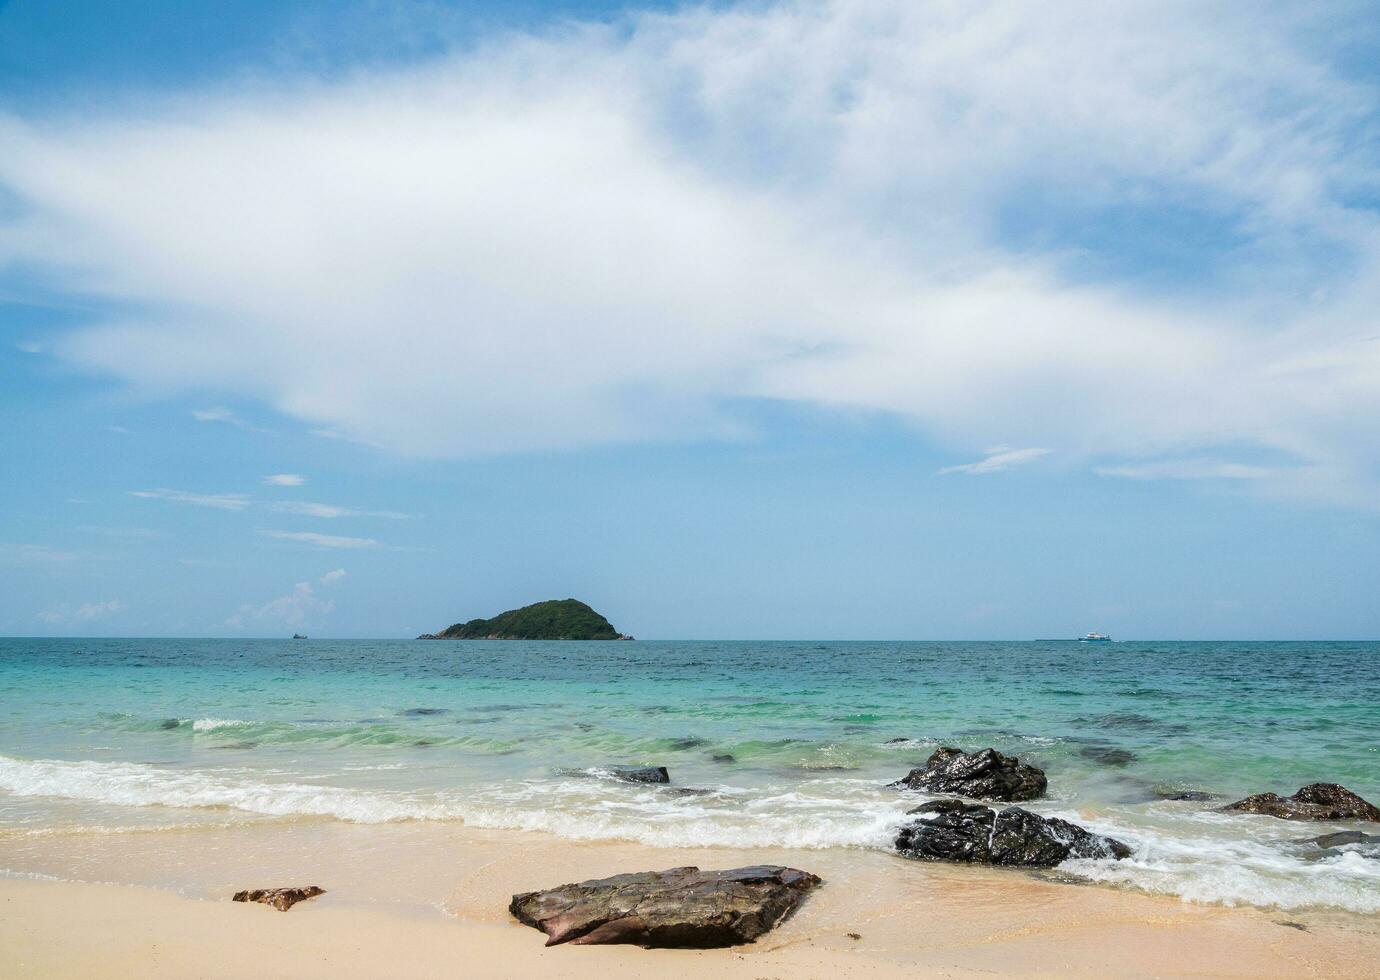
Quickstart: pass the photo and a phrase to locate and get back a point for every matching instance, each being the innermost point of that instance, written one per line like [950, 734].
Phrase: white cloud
[85, 613]
[997, 460]
[219, 501]
[308, 509]
[296, 609]
[612, 234]
[29, 347]
[284, 480]
[321, 540]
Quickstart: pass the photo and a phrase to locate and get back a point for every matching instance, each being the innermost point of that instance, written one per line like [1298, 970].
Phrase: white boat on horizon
[1095, 638]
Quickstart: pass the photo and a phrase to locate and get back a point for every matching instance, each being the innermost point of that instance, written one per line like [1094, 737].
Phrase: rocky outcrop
[985, 775]
[951, 830]
[1319, 801]
[281, 899]
[682, 907]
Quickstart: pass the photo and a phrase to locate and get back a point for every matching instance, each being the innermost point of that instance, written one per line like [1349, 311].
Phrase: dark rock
[951, 830]
[1342, 839]
[281, 899]
[1319, 801]
[168, 724]
[682, 907]
[640, 774]
[985, 775]
[724, 757]
[1106, 755]
[687, 743]
[1292, 925]
[686, 791]
[423, 712]
[1188, 796]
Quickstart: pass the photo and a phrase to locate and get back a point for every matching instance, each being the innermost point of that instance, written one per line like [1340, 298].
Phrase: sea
[768, 744]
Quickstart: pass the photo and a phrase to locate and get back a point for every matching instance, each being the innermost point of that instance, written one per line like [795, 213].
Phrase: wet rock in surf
[985, 775]
[1185, 795]
[423, 712]
[682, 907]
[627, 774]
[281, 899]
[723, 757]
[1343, 839]
[1318, 801]
[951, 830]
[168, 724]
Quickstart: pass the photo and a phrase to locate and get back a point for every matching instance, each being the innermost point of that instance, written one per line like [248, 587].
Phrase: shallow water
[108, 737]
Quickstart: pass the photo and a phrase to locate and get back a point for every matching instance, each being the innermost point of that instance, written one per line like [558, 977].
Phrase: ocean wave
[1204, 856]
[131, 784]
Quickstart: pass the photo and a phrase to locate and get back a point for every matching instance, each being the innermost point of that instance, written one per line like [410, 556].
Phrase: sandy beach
[422, 902]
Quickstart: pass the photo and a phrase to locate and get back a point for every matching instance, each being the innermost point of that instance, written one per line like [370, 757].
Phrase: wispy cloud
[29, 347]
[34, 554]
[1190, 469]
[867, 262]
[121, 533]
[284, 480]
[308, 509]
[219, 501]
[334, 575]
[85, 613]
[997, 460]
[225, 416]
[321, 540]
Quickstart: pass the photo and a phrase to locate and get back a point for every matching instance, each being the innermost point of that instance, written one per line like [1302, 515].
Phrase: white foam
[211, 724]
[1199, 856]
[129, 784]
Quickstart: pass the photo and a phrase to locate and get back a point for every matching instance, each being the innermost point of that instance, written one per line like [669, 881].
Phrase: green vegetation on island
[555, 619]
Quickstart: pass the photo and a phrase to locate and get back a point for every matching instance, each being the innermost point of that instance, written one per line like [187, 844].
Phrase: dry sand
[421, 905]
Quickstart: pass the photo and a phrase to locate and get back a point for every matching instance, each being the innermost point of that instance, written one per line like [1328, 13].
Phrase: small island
[555, 619]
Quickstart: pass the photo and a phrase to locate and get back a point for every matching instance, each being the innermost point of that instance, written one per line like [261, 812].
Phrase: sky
[843, 319]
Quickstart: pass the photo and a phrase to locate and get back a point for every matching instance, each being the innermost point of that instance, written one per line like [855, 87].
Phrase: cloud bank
[933, 211]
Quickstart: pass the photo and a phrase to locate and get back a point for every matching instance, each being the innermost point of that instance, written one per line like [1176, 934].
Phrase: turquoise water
[103, 735]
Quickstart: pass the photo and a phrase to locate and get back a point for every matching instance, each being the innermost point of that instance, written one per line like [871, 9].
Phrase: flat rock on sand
[682, 907]
[1319, 801]
[281, 899]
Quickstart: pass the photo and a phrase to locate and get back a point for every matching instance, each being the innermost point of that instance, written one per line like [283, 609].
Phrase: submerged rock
[1318, 801]
[682, 907]
[951, 830]
[281, 899]
[723, 757]
[627, 774]
[1342, 839]
[985, 775]
[1186, 795]
[1107, 755]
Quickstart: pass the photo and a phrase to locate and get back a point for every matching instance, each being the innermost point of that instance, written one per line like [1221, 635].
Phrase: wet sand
[424, 901]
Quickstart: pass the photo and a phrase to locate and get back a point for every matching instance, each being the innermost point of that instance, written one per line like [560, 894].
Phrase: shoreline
[434, 898]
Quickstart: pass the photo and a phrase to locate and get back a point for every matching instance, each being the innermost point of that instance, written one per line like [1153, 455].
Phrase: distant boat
[299, 636]
[1095, 638]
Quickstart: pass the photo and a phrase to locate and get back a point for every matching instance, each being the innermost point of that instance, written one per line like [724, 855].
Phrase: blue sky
[836, 320]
